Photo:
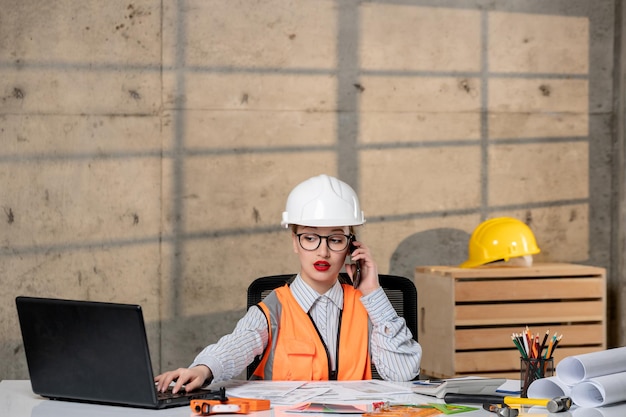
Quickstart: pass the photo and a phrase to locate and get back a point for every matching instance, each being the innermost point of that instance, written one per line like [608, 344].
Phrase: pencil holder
[532, 369]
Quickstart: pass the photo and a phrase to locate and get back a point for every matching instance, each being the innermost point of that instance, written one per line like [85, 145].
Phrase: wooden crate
[466, 316]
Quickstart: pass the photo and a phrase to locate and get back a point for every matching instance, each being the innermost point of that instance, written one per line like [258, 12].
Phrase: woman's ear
[294, 241]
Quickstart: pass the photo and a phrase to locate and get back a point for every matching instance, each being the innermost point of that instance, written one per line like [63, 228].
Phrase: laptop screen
[87, 351]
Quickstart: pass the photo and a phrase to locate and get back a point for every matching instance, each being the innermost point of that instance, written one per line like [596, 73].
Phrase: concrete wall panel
[538, 125]
[241, 91]
[69, 33]
[222, 131]
[417, 94]
[535, 43]
[513, 169]
[393, 128]
[267, 34]
[419, 180]
[405, 37]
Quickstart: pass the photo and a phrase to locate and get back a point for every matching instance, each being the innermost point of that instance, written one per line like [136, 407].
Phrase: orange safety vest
[295, 351]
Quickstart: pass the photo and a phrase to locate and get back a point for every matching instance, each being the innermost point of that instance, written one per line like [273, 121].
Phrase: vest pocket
[300, 355]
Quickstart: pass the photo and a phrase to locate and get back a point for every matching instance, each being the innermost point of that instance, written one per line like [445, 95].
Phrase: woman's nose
[324, 249]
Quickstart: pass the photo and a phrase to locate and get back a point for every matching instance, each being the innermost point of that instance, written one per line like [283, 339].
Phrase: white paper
[510, 387]
[602, 390]
[295, 392]
[577, 368]
[301, 395]
[269, 390]
[614, 410]
[358, 390]
[548, 388]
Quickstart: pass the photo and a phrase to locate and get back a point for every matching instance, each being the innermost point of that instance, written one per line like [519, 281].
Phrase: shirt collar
[306, 296]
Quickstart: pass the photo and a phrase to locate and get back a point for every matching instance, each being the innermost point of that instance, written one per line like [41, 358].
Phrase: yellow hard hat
[499, 239]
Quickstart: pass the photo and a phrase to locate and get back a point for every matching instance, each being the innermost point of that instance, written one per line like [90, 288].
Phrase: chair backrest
[401, 292]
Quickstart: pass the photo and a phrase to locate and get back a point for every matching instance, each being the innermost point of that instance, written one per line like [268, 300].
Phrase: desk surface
[18, 400]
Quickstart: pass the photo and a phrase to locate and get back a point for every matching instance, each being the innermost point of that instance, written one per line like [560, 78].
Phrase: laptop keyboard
[169, 394]
[204, 393]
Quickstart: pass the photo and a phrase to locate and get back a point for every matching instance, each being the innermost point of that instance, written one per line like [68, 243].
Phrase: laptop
[92, 352]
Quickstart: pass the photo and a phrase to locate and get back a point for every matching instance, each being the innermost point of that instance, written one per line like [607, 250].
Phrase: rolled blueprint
[548, 388]
[577, 368]
[602, 390]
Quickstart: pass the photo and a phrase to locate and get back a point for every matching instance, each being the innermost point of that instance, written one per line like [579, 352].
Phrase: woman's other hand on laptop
[191, 378]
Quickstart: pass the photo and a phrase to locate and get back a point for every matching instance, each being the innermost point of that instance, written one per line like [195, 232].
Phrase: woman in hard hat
[316, 328]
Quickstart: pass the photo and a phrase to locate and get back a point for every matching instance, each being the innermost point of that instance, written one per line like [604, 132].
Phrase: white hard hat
[323, 201]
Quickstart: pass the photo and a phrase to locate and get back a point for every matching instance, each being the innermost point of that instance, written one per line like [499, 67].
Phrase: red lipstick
[321, 266]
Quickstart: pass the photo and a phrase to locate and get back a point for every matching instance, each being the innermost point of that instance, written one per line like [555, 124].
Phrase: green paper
[452, 408]
[445, 408]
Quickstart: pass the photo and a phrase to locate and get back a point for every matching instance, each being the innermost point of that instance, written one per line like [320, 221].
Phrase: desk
[18, 400]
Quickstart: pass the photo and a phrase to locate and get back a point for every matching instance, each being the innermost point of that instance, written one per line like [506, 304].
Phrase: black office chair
[400, 290]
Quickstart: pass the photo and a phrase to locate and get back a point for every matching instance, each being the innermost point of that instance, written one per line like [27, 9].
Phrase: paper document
[373, 390]
[510, 387]
[275, 391]
[298, 392]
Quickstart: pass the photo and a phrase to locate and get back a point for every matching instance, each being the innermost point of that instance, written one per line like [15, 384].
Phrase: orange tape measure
[229, 406]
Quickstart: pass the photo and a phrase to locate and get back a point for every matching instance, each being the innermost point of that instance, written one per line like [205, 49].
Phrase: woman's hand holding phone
[356, 276]
[363, 269]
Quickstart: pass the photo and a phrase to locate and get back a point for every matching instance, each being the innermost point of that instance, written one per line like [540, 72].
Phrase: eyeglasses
[312, 241]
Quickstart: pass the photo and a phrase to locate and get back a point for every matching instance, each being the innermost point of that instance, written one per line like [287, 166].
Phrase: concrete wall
[148, 146]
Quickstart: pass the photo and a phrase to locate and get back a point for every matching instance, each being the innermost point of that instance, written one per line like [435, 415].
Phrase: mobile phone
[356, 277]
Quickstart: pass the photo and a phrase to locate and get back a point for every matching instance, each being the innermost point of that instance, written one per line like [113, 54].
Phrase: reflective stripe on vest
[295, 350]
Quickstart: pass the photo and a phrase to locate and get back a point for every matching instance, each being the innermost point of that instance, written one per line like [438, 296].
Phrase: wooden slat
[537, 270]
[494, 338]
[529, 289]
[470, 362]
[506, 375]
[528, 313]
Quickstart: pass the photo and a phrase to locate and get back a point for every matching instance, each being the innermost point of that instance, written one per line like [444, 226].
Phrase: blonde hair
[294, 229]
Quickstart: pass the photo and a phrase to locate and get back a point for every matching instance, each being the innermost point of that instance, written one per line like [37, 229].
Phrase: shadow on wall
[443, 246]
[183, 338]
